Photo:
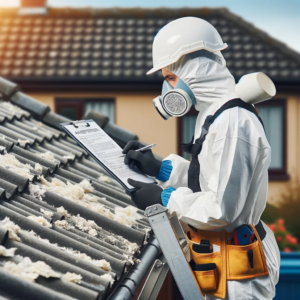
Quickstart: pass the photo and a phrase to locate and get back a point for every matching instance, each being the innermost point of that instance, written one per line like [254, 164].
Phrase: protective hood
[206, 74]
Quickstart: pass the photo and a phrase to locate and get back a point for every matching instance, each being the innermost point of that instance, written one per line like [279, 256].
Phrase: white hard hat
[182, 36]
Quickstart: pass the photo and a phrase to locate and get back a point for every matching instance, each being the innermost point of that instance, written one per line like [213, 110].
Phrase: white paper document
[106, 150]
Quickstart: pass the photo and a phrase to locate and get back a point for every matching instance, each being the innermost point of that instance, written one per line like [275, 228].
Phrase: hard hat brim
[180, 53]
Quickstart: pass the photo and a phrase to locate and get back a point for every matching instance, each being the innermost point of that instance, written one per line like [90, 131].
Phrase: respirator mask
[174, 102]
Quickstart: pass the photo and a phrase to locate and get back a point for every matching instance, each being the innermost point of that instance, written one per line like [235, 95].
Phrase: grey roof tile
[68, 288]
[8, 88]
[35, 107]
[16, 136]
[7, 144]
[34, 158]
[2, 193]
[58, 265]
[12, 285]
[54, 236]
[131, 234]
[20, 181]
[113, 238]
[54, 119]
[63, 255]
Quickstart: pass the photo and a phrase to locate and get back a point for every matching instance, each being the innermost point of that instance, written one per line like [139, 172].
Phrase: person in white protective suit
[232, 179]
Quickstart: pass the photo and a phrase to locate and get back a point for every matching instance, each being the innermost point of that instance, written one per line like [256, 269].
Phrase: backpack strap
[195, 149]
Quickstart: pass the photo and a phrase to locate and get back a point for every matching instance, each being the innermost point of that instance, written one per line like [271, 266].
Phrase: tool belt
[232, 262]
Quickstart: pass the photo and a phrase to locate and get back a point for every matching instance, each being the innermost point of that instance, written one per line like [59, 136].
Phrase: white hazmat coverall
[234, 165]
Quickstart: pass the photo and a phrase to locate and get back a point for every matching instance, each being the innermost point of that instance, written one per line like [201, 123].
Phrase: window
[273, 114]
[75, 108]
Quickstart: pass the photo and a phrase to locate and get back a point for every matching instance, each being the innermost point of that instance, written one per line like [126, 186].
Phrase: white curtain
[104, 107]
[272, 117]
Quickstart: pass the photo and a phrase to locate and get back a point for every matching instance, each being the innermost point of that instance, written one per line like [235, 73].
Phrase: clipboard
[104, 150]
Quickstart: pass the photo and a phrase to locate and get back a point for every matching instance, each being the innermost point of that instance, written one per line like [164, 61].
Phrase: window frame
[279, 174]
[79, 102]
[274, 174]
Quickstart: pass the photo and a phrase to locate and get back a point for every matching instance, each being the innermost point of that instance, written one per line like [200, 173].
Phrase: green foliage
[270, 214]
[289, 208]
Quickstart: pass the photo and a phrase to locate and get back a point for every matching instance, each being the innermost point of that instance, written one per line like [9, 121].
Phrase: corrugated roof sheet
[115, 45]
[71, 214]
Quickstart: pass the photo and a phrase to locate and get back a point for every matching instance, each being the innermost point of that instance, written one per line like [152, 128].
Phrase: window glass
[104, 107]
[272, 117]
[68, 112]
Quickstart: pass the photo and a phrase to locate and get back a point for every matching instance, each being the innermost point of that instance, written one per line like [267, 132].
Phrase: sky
[279, 18]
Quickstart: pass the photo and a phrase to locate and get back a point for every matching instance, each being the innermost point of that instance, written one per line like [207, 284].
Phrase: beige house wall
[137, 114]
[292, 148]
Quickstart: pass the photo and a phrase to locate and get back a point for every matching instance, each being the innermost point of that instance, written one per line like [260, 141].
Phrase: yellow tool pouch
[232, 262]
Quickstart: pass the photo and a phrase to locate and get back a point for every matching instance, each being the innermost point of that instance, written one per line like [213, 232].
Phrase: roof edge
[119, 11]
[261, 34]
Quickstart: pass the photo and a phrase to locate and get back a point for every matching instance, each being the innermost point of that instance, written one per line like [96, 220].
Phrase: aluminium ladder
[176, 253]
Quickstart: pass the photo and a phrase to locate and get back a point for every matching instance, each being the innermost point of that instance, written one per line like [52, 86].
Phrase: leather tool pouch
[232, 262]
[207, 276]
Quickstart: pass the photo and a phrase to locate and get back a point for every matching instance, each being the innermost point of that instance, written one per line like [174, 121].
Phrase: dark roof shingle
[115, 45]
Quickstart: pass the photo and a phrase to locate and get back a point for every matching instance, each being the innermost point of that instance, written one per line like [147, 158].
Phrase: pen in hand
[142, 149]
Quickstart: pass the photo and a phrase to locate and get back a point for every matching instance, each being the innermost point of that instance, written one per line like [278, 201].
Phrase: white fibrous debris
[29, 271]
[2, 148]
[88, 188]
[38, 167]
[18, 271]
[23, 142]
[41, 268]
[11, 163]
[103, 264]
[108, 277]
[92, 232]
[36, 191]
[63, 224]
[69, 156]
[72, 277]
[46, 212]
[112, 239]
[41, 220]
[78, 193]
[61, 210]
[127, 215]
[147, 235]
[104, 178]
[12, 228]
[7, 252]
[132, 247]
[88, 226]
[129, 259]
[31, 232]
[48, 155]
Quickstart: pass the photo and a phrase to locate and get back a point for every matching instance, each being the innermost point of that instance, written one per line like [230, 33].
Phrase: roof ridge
[264, 36]
[161, 11]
